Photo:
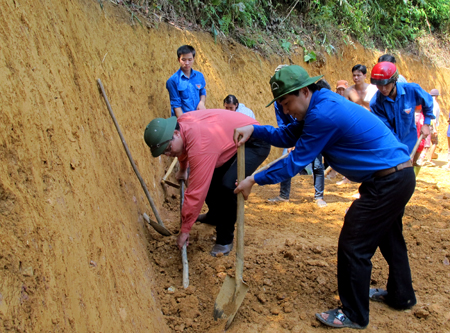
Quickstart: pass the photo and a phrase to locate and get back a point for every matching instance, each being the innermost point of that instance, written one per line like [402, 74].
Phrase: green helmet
[158, 134]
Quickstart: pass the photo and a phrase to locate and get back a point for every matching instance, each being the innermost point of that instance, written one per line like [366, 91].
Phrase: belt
[385, 172]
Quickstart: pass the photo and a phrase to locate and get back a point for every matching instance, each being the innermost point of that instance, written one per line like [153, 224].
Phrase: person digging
[359, 146]
[203, 142]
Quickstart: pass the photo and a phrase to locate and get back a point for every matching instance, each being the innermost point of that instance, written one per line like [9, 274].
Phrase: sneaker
[224, 249]
[321, 203]
[447, 166]
[356, 195]
[278, 199]
[343, 181]
[428, 164]
[332, 174]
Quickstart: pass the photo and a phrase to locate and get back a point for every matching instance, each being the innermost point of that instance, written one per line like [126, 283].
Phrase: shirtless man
[357, 92]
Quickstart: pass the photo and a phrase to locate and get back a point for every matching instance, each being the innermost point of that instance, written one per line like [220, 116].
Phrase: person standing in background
[341, 85]
[357, 92]
[187, 86]
[391, 59]
[231, 103]
[434, 130]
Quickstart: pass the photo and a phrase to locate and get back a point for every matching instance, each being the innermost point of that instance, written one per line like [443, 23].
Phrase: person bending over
[203, 141]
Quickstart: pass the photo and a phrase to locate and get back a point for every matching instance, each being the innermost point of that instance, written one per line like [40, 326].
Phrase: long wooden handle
[169, 171]
[144, 187]
[184, 258]
[240, 217]
[267, 166]
[416, 146]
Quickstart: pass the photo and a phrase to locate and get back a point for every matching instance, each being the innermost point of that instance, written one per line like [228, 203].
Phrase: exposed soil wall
[75, 253]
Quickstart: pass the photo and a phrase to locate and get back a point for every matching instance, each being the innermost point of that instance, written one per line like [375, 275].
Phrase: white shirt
[245, 110]
[436, 112]
[401, 78]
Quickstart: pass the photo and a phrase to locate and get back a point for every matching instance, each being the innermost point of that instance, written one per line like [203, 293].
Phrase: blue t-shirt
[353, 141]
[398, 115]
[185, 92]
[282, 119]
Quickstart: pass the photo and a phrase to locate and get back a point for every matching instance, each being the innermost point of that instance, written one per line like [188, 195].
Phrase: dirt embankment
[75, 254]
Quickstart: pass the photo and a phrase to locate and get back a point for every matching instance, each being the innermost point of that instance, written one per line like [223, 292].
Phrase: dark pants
[221, 201]
[319, 180]
[375, 220]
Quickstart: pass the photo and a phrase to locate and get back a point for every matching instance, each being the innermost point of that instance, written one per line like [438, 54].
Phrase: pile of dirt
[75, 252]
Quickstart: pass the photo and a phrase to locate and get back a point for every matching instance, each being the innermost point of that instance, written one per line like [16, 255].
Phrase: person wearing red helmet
[394, 104]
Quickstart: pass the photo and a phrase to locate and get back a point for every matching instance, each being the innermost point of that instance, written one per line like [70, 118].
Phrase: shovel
[184, 258]
[234, 289]
[164, 180]
[416, 146]
[158, 226]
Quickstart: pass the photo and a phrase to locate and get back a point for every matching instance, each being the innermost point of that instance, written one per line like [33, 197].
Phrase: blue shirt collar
[400, 91]
[193, 71]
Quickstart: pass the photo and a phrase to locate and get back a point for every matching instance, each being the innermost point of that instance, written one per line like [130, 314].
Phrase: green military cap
[288, 79]
[159, 133]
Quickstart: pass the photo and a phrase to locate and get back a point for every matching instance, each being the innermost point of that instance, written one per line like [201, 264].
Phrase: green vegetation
[279, 26]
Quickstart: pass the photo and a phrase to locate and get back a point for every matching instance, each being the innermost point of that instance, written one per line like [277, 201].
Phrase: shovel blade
[229, 300]
[158, 227]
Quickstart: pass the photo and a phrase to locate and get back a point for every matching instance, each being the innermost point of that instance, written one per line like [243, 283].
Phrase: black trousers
[221, 201]
[375, 220]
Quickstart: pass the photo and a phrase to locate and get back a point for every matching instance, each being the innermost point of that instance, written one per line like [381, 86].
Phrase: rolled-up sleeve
[175, 99]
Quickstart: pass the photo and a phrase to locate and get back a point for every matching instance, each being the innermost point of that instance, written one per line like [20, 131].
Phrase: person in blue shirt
[358, 145]
[187, 86]
[394, 104]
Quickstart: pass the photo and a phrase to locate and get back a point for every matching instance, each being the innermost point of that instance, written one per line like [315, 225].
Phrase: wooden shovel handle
[267, 166]
[184, 258]
[416, 146]
[240, 218]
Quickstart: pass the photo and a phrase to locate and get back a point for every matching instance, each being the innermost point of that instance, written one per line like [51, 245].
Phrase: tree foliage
[374, 23]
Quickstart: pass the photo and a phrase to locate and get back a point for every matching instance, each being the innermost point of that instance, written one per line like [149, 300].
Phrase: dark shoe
[202, 218]
[336, 318]
[377, 295]
[380, 295]
[278, 199]
[224, 249]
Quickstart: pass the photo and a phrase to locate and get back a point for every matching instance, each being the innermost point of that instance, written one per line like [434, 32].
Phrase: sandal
[337, 315]
[378, 295]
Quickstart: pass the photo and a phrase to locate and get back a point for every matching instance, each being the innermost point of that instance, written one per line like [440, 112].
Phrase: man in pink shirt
[203, 142]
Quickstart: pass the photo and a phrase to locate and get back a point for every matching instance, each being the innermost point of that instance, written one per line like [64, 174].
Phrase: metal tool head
[229, 300]
[158, 227]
